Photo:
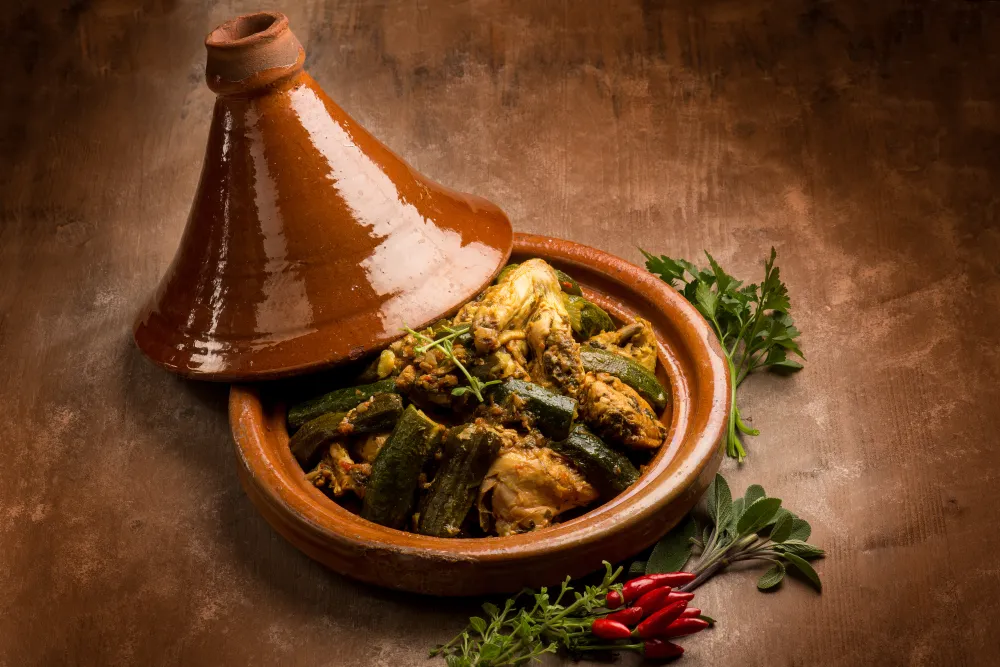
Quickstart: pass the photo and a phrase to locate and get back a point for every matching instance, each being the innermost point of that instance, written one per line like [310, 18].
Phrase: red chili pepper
[674, 579]
[680, 595]
[636, 588]
[691, 612]
[607, 629]
[683, 626]
[657, 624]
[655, 600]
[657, 648]
[629, 616]
[613, 600]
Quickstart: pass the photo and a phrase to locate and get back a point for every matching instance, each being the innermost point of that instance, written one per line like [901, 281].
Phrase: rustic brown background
[862, 139]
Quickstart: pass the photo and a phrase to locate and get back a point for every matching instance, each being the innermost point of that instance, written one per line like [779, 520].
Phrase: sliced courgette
[378, 413]
[469, 452]
[568, 284]
[396, 471]
[340, 400]
[550, 413]
[586, 317]
[610, 472]
[307, 443]
[629, 371]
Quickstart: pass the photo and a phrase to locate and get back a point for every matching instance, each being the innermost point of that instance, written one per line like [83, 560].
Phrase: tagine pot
[309, 242]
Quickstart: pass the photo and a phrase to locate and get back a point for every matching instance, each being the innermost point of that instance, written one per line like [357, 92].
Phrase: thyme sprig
[446, 345]
[521, 632]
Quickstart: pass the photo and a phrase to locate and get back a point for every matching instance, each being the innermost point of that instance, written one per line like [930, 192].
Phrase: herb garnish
[751, 528]
[515, 635]
[751, 321]
[446, 345]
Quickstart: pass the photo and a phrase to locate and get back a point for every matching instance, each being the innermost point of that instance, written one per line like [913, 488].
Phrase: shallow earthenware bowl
[689, 356]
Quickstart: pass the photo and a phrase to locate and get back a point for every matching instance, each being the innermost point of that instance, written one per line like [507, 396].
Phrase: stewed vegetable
[525, 408]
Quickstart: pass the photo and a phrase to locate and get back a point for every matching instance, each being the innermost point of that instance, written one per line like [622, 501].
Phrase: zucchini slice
[469, 452]
[339, 400]
[586, 317]
[378, 413]
[307, 443]
[629, 371]
[610, 472]
[568, 284]
[396, 471]
[551, 413]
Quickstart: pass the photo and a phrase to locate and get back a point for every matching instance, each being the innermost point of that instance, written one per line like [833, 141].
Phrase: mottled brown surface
[861, 139]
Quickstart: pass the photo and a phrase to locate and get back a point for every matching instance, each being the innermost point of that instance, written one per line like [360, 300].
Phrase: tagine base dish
[690, 363]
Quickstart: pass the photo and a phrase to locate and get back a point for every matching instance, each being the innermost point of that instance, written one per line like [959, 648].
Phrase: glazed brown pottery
[309, 243]
[690, 360]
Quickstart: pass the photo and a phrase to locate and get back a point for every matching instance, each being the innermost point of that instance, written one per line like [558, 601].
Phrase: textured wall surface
[862, 139]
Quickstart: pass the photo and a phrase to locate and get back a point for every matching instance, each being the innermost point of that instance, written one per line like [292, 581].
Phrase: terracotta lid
[309, 243]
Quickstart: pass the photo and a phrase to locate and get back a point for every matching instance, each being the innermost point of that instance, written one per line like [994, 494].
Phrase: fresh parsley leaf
[751, 321]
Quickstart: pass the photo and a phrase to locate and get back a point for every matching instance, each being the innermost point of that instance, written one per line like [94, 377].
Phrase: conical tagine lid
[309, 243]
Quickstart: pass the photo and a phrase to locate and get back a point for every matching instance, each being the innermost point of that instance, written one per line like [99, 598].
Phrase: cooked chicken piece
[368, 447]
[617, 413]
[550, 337]
[634, 340]
[527, 487]
[508, 304]
[338, 472]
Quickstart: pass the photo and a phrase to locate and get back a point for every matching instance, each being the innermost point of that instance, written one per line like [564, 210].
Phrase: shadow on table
[190, 422]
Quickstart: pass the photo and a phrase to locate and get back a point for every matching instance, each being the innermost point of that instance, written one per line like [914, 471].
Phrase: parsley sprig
[530, 625]
[752, 528]
[446, 343]
[751, 321]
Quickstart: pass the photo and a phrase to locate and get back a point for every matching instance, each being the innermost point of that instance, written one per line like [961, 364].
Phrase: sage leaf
[734, 516]
[753, 493]
[671, 553]
[800, 549]
[779, 515]
[756, 516]
[720, 501]
[805, 568]
[772, 577]
[637, 568]
[801, 530]
[782, 528]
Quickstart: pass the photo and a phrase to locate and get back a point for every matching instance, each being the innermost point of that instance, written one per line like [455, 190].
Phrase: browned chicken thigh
[527, 487]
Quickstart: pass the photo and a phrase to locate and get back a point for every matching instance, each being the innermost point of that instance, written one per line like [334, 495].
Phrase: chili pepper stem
[609, 647]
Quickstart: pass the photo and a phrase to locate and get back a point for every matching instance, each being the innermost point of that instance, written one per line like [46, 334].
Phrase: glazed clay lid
[309, 243]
